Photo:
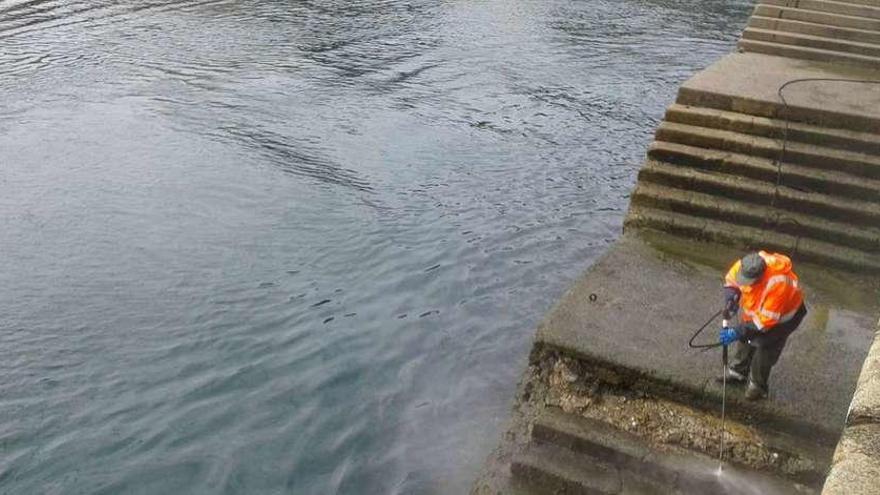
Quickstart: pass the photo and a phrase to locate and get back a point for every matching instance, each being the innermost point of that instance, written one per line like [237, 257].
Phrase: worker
[763, 306]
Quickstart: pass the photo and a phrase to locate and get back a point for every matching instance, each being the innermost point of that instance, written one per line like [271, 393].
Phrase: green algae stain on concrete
[817, 326]
[821, 315]
[828, 287]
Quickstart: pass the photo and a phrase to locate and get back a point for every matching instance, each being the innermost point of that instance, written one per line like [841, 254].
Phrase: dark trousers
[755, 358]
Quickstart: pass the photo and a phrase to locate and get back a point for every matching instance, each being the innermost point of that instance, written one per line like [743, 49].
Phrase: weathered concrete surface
[809, 41]
[842, 187]
[774, 128]
[865, 406]
[794, 47]
[810, 155]
[703, 204]
[856, 466]
[638, 306]
[814, 29]
[836, 7]
[793, 13]
[748, 83]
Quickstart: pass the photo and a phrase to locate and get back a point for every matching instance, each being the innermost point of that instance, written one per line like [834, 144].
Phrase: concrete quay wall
[855, 467]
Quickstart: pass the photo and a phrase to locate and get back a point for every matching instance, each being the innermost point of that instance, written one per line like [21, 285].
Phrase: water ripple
[261, 247]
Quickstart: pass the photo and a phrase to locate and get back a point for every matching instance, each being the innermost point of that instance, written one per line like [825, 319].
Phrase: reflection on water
[301, 246]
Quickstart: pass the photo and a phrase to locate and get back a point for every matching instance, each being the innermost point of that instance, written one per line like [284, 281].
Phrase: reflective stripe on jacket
[772, 299]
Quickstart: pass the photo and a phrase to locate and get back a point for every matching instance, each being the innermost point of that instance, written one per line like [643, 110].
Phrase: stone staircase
[717, 171]
[830, 31]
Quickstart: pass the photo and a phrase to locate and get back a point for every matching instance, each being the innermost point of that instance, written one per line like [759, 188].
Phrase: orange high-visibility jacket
[772, 299]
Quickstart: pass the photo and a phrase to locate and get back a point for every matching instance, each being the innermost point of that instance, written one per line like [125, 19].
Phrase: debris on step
[567, 383]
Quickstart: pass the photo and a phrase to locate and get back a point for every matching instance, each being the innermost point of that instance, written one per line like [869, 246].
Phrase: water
[301, 247]
[732, 481]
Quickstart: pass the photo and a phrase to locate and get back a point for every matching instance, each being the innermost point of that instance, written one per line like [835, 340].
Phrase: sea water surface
[264, 246]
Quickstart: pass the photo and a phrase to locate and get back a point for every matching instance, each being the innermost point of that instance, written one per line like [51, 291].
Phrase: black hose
[781, 158]
[700, 330]
[785, 115]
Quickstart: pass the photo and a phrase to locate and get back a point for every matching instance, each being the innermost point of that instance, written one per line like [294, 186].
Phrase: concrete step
[749, 83]
[808, 155]
[795, 177]
[799, 178]
[831, 6]
[856, 213]
[715, 230]
[810, 41]
[774, 128]
[813, 29]
[668, 466]
[817, 17]
[547, 469]
[605, 444]
[873, 3]
[819, 55]
[743, 213]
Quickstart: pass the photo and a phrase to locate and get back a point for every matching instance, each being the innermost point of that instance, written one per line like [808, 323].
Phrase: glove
[728, 336]
[731, 302]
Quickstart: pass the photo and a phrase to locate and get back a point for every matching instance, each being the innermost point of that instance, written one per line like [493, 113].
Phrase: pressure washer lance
[723, 397]
[706, 347]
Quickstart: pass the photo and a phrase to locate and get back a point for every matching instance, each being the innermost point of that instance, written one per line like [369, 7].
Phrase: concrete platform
[748, 83]
[635, 310]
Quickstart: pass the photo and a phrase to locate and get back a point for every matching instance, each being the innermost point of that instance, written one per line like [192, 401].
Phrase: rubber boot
[754, 392]
[733, 377]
